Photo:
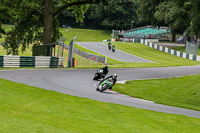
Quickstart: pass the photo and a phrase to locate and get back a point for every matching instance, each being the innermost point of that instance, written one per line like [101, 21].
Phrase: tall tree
[36, 21]
[4, 14]
[146, 10]
[175, 14]
[194, 15]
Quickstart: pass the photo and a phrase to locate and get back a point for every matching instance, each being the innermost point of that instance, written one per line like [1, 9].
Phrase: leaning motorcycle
[106, 84]
[99, 74]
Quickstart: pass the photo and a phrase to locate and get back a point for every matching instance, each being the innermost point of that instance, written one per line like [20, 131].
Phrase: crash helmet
[115, 76]
[106, 66]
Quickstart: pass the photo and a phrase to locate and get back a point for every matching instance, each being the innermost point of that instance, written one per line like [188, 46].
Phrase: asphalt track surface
[78, 82]
[119, 55]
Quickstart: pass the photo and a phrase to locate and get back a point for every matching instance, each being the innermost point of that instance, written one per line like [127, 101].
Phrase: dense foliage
[179, 15]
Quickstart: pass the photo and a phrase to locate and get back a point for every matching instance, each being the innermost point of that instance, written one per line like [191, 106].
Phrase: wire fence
[192, 48]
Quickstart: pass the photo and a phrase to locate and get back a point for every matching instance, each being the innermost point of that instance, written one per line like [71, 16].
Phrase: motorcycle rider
[109, 45]
[101, 73]
[113, 78]
[113, 48]
[105, 70]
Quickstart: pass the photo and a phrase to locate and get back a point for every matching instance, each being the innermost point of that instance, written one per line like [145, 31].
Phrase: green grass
[28, 51]
[161, 59]
[182, 92]
[85, 35]
[6, 28]
[25, 109]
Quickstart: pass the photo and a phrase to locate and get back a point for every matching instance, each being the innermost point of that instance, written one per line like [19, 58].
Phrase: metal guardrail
[31, 61]
[88, 55]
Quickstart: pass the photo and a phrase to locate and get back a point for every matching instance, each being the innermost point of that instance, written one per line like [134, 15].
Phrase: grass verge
[29, 109]
[182, 91]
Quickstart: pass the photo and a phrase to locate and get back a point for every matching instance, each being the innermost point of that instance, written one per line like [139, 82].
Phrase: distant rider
[113, 48]
[109, 45]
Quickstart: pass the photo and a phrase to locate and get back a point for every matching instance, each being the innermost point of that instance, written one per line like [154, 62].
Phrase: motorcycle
[99, 74]
[113, 49]
[109, 47]
[106, 84]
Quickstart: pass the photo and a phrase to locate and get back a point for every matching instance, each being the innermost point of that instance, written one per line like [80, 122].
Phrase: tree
[36, 20]
[175, 14]
[117, 14]
[146, 10]
[194, 16]
[178, 15]
[4, 14]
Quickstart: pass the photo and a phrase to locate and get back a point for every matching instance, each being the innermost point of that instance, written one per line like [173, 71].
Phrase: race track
[78, 82]
[118, 55]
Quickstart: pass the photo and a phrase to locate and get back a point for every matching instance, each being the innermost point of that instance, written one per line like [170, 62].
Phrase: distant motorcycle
[113, 48]
[99, 74]
[106, 84]
[109, 46]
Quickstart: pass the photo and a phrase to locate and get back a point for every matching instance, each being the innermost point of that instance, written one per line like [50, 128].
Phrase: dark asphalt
[79, 83]
[118, 55]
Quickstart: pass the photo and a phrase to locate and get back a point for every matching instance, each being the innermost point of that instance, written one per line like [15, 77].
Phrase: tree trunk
[173, 36]
[48, 22]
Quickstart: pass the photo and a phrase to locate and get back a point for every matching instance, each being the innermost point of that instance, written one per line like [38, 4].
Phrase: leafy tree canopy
[35, 21]
[179, 15]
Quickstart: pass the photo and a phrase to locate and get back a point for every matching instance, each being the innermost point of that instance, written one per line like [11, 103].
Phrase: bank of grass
[182, 91]
[28, 51]
[85, 35]
[161, 59]
[6, 27]
[30, 109]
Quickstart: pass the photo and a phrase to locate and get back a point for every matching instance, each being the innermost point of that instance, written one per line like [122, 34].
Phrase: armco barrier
[171, 51]
[88, 55]
[31, 61]
[27, 61]
[54, 61]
